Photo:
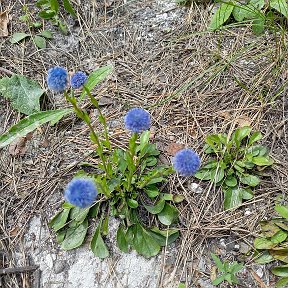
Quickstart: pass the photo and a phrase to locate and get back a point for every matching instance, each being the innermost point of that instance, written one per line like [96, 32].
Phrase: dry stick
[23, 269]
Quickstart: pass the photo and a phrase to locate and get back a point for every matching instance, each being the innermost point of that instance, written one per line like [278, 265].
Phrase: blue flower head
[57, 79]
[186, 162]
[137, 120]
[81, 192]
[78, 79]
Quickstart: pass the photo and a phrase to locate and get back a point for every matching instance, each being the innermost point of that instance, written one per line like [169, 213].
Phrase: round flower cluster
[57, 79]
[186, 162]
[81, 192]
[137, 120]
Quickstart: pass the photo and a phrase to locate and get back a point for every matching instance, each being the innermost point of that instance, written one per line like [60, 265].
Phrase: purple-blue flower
[186, 162]
[137, 120]
[78, 79]
[81, 192]
[57, 79]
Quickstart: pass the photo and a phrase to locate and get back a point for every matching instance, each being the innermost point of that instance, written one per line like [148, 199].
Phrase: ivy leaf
[30, 123]
[168, 215]
[280, 5]
[23, 92]
[97, 245]
[221, 15]
[75, 235]
[144, 243]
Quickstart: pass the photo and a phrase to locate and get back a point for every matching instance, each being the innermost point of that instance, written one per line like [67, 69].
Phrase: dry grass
[194, 83]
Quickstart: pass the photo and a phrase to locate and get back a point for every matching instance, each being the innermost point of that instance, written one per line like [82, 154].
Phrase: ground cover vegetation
[130, 183]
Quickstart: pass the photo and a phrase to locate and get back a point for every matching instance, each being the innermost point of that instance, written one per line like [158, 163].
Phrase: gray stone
[60, 266]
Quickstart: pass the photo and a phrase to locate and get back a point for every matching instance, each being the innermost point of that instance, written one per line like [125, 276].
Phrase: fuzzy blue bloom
[81, 192]
[186, 162]
[57, 79]
[78, 79]
[137, 120]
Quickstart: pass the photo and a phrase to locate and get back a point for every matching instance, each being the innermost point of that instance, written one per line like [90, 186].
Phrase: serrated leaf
[218, 262]
[144, 243]
[30, 123]
[95, 78]
[39, 41]
[282, 210]
[280, 5]
[59, 220]
[121, 239]
[263, 243]
[68, 7]
[97, 244]
[75, 235]
[221, 15]
[23, 93]
[168, 215]
[17, 37]
[156, 208]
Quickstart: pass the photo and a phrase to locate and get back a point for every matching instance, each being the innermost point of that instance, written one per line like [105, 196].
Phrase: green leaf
[262, 161]
[79, 215]
[39, 41]
[256, 136]
[281, 271]
[178, 198]
[157, 208]
[47, 14]
[75, 235]
[68, 7]
[54, 5]
[264, 258]
[218, 280]
[30, 123]
[144, 140]
[250, 180]
[132, 203]
[280, 5]
[282, 210]
[181, 285]
[17, 37]
[60, 236]
[105, 226]
[164, 237]
[231, 181]
[258, 25]
[95, 78]
[263, 243]
[240, 134]
[218, 262]
[121, 239]
[257, 150]
[221, 15]
[23, 93]
[97, 245]
[144, 243]
[205, 174]
[246, 193]
[46, 33]
[152, 191]
[168, 215]
[59, 220]
[282, 283]
[279, 237]
[232, 198]
[219, 175]
[235, 267]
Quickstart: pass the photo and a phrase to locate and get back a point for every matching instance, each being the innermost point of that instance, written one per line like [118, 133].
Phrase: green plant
[256, 11]
[38, 38]
[235, 164]
[273, 244]
[227, 270]
[50, 11]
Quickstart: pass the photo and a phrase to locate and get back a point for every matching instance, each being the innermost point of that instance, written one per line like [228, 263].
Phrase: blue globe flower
[137, 120]
[81, 192]
[186, 162]
[78, 79]
[57, 79]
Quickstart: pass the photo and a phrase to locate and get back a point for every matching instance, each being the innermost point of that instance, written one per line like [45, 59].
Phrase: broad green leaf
[282, 283]
[132, 203]
[105, 226]
[218, 262]
[46, 33]
[240, 12]
[246, 193]
[75, 235]
[231, 181]
[39, 41]
[256, 136]
[23, 93]
[17, 37]
[152, 191]
[157, 208]
[181, 285]
[144, 243]
[258, 25]
[167, 196]
[240, 134]
[47, 14]
[211, 164]
[262, 161]
[280, 253]
[280, 5]
[164, 237]
[269, 229]
[279, 237]
[60, 236]
[54, 5]
[97, 244]
[30, 123]
[281, 271]
[232, 198]
[144, 140]
[282, 210]
[263, 243]
[205, 174]
[79, 215]
[59, 220]
[68, 7]
[221, 15]
[168, 215]
[264, 258]
[95, 78]
[250, 180]
[67, 205]
[219, 175]
[218, 280]
[121, 239]
[257, 150]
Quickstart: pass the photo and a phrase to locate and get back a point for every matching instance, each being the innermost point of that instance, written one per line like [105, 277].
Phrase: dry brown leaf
[244, 121]
[18, 147]
[4, 24]
[173, 148]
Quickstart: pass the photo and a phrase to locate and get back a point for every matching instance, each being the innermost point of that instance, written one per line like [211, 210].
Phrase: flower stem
[131, 163]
